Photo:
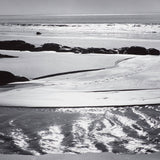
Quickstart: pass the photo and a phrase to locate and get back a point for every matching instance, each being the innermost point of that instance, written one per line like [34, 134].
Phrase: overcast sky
[78, 6]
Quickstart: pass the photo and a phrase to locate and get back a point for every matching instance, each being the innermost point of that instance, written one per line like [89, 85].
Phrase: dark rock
[93, 50]
[38, 33]
[79, 50]
[153, 51]
[101, 51]
[7, 77]
[16, 45]
[101, 146]
[136, 25]
[61, 25]
[136, 50]
[96, 50]
[50, 47]
[123, 50]
[7, 56]
[37, 49]
[111, 51]
[65, 49]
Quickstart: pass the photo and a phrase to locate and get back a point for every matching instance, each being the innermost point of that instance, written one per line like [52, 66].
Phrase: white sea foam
[151, 121]
[135, 145]
[51, 139]
[21, 140]
[129, 122]
[82, 136]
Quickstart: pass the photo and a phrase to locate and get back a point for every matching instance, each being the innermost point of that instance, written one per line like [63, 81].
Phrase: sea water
[108, 31]
[62, 19]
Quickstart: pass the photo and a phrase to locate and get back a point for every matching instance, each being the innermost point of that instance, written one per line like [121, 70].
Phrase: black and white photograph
[79, 79]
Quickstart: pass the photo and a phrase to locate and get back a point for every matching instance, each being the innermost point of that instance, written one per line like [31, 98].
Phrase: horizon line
[81, 14]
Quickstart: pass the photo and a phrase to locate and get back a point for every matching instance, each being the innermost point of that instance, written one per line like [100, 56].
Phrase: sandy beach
[138, 80]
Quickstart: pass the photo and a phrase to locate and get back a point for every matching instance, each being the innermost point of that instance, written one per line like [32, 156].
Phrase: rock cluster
[38, 33]
[23, 46]
[16, 45]
[7, 77]
[139, 51]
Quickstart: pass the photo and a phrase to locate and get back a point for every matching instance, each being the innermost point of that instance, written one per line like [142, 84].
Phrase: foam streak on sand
[51, 140]
[82, 136]
[150, 121]
[80, 130]
[21, 141]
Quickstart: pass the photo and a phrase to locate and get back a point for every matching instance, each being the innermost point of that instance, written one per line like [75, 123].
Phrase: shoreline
[87, 156]
[77, 107]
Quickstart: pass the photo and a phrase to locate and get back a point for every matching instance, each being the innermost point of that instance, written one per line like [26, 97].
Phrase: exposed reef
[23, 46]
[7, 77]
[16, 45]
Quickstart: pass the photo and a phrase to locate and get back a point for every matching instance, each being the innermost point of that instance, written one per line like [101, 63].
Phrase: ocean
[63, 19]
[107, 31]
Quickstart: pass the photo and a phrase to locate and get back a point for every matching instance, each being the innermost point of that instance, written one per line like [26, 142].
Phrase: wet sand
[93, 156]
